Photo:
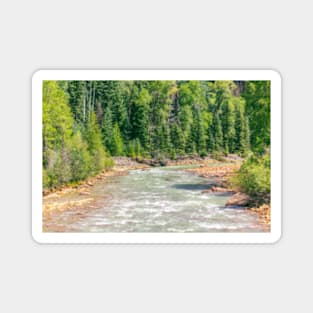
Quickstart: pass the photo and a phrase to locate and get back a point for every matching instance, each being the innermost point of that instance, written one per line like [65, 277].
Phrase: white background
[101, 34]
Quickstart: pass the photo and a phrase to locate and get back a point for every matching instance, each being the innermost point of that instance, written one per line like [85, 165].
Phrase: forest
[87, 122]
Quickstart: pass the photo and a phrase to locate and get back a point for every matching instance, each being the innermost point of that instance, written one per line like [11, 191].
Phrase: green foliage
[57, 117]
[134, 149]
[199, 134]
[67, 155]
[140, 118]
[57, 134]
[81, 161]
[258, 107]
[108, 163]
[107, 130]
[137, 148]
[130, 152]
[177, 140]
[215, 136]
[85, 121]
[254, 176]
[242, 135]
[92, 136]
[58, 168]
[117, 142]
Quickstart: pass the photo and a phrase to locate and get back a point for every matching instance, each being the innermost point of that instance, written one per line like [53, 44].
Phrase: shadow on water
[233, 208]
[193, 186]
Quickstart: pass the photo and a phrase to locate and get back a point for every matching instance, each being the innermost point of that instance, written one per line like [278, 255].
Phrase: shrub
[108, 163]
[80, 158]
[254, 175]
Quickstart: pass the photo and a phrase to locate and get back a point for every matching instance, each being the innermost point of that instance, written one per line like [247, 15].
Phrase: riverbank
[121, 167]
[222, 174]
[65, 198]
[75, 202]
[160, 199]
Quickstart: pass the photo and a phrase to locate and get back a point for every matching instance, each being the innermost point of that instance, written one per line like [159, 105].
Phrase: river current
[163, 199]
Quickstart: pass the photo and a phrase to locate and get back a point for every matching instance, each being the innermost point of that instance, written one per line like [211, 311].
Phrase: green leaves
[254, 176]
[159, 119]
[258, 108]
[67, 155]
[117, 142]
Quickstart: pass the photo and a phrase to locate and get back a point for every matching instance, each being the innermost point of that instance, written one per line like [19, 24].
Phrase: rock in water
[239, 198]
[219, 189]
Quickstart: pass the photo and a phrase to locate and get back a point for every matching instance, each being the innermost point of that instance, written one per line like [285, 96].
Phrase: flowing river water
[163, 199]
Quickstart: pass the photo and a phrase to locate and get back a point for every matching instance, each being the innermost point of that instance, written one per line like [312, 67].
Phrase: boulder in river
[219, 189]
[239, 198]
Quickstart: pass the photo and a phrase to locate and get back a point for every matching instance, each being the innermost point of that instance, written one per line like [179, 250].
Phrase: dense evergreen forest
[86, 122]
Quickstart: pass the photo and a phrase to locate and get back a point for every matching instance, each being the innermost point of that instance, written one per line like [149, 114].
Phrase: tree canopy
[86, 122]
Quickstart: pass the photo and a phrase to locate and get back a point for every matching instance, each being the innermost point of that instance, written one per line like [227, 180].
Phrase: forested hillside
[86, 122]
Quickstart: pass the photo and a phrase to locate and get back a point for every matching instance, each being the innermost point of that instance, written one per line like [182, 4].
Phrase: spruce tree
[117, 142]
[92, 135]
[228, 125]
[242, 139]
[177, 140]
[148, 118]
[107, 129]
[258, 98]
[218, 133]
[57, 135]
[140, 119]
[199, 136]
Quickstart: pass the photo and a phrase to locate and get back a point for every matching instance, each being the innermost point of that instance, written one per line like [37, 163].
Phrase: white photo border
[157, 238]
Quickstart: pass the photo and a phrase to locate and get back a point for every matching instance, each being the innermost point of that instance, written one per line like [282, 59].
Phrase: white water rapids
[164, 199]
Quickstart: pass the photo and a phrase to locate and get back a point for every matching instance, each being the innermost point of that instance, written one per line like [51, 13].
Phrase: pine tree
[177, 140]
[199, 136]
[242, 137]
[257, 96]
[138, 148]
[228, 125]
[131, 149]
[117, 142]
[92, 135]
[83, 119]
[191, 148]
[165, 140]
[107, 129]
[57, 134]
[218, 133]
[80, 158]
[185, 121]
[76, 100]
[140, 119]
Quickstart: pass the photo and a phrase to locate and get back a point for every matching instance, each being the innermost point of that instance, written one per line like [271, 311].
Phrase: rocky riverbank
[78, 200]
[189, 160]
[222, 174]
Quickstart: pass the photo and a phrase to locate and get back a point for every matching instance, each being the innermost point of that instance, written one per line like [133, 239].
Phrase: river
[162, 199]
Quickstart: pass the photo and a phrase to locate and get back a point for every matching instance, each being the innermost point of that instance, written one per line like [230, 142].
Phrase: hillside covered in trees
[86, 122]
